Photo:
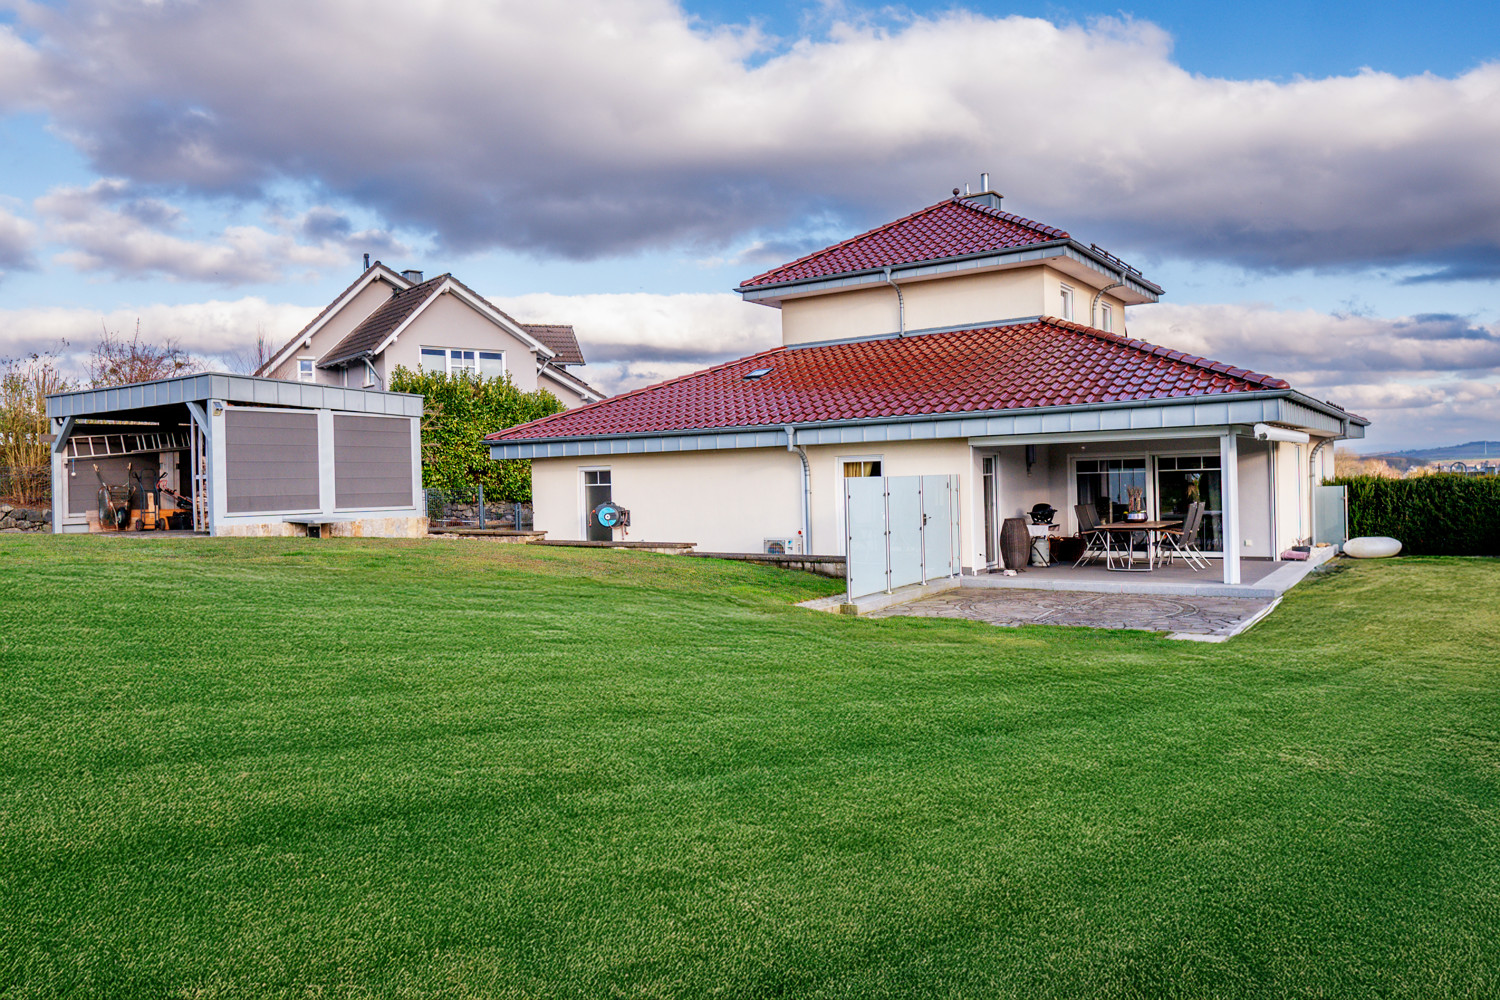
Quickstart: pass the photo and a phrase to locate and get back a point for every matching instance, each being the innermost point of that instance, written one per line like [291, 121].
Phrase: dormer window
[1067, 302]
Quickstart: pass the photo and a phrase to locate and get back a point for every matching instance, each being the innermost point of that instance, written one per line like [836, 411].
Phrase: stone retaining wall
[24, 519]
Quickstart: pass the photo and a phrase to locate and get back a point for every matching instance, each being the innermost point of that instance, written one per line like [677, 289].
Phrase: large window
[1106, 482]
[457, 361]
[1185, 479]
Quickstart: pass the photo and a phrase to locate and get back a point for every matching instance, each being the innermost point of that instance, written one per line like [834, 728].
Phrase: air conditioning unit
[782, 546]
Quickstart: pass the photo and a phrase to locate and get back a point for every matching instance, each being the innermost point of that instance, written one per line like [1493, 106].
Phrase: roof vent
[415, 277]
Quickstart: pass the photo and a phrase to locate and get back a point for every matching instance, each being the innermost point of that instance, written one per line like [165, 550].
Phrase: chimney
[415, 277]
[985, 198]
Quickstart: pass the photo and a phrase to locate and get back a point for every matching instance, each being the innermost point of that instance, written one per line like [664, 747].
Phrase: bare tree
[117, 361]
[251, 359]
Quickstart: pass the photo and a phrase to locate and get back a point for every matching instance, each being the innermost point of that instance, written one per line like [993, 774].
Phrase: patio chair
[1088, 530]
[1183, 540]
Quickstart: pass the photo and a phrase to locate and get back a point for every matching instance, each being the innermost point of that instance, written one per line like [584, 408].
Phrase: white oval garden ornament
[1371, 547]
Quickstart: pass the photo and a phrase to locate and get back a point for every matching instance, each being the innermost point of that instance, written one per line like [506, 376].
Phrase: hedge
[1444, 514]
[460, 410]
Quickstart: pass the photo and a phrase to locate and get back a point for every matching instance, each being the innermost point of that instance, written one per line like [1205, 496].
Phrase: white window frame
[448, 360]
[838, 500]
[583, 494]
[479, 363]
[312, 369]
[369, 378]
[1106, 317]
[1068, 297]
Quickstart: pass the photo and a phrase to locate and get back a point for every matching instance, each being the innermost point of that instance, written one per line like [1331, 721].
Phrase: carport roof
[244, 389]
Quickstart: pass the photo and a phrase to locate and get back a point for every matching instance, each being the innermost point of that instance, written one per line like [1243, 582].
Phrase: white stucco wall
[731, 501]
[934, 303]
[722, 501]
[450, 322]
[334, 329]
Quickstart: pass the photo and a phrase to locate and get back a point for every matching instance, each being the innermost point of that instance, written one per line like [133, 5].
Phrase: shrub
[460, 411]
[25, 449]
[1439, 515]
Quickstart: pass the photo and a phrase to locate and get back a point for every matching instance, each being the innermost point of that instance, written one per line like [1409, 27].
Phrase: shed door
[596, 490]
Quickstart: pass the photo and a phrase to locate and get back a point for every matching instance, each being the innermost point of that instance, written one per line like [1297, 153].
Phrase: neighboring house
[960, 340]
[388, 319]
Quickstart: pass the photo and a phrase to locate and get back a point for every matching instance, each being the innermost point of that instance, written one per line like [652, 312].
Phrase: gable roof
[383, 325]
[1036, 363]
[955, 227]
[560, 338]
[367, 337]
[375, 272]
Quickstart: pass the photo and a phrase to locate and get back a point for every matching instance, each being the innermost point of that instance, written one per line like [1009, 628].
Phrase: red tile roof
[952, 228]
[1047, 362]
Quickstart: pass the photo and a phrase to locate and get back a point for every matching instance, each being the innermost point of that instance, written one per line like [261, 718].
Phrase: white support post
[218, 469]
[1229, 467]
[325, 463]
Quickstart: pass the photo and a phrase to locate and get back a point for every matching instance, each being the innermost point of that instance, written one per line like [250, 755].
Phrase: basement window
[758, 373]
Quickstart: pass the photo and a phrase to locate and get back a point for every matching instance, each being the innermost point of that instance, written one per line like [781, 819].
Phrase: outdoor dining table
[1124, 561]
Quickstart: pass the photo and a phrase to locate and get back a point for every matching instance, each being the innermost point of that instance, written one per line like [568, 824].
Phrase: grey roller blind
[83, 488]
[372, 461]
[270, 460]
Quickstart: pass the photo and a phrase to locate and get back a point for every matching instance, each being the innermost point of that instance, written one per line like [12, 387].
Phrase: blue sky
[1312, 184]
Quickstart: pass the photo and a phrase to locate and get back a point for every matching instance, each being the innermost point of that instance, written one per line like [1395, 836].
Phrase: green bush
[1438, 515]
[460, 411]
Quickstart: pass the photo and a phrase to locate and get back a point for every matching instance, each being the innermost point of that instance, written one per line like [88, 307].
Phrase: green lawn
[362, 768]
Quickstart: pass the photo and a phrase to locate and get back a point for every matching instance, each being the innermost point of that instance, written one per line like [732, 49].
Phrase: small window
[758, 373]
[369, 373]
[491, 364]
[305, 370]
[596, 477]
[860, 470]
[1067, 302]
[1107, 318]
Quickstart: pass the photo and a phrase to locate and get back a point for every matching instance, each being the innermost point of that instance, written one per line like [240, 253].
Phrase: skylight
[757, 373]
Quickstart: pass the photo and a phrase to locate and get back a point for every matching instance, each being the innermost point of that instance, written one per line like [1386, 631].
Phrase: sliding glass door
[1105, 484]
[1185, 479]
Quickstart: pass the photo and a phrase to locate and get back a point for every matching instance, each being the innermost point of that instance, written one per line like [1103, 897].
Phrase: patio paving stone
[1208, 616]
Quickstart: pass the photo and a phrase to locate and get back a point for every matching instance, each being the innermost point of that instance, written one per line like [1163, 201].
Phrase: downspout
[1312, 483]
[900, 305]
[793, 446]
[1094, 305]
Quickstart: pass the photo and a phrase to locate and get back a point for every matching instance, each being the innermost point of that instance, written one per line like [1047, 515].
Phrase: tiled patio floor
[1190, 616]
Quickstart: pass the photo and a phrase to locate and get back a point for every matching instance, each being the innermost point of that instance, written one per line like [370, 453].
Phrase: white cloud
[605, 125]
[16, 237]
[221, 331]
[110, 227]
[1420, 379]
[637, 339]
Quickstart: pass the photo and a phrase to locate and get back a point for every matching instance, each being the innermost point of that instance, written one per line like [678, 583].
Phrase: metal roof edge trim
[231, 388]
[941, 265]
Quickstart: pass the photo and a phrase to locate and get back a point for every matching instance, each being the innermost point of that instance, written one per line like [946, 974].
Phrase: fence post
[481, 506]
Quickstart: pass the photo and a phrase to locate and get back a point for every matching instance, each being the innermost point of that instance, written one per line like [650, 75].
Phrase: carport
[251, 456]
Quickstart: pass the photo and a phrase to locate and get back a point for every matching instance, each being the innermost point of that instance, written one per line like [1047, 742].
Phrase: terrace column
[1229, 468]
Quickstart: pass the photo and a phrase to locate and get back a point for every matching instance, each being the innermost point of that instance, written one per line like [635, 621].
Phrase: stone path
[1218, 617]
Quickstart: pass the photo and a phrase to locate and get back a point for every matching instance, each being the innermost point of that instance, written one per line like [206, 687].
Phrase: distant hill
[1467, 452]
